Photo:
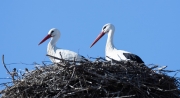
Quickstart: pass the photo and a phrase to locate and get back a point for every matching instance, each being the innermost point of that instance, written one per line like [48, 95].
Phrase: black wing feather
[133, 57]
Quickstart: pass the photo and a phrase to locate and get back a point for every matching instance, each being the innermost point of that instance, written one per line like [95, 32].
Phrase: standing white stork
[52, 50]
[111, 51]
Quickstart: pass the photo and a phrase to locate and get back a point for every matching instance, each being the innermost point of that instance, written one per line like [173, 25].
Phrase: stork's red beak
[47, 37]
[99, 36]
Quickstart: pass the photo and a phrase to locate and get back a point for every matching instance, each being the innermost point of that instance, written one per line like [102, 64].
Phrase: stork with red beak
[52, 50]
[111, 52]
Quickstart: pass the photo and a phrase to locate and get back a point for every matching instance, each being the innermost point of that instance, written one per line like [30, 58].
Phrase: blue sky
[148, 28]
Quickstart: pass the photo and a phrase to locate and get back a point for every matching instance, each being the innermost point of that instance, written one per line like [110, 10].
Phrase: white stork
[111, 52]
[52, 50]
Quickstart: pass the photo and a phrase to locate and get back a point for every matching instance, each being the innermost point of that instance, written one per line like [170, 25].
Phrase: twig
[61, 55]
[53, 57]
[7, 69]
[5, 65]
[129, 96]
[63, 59]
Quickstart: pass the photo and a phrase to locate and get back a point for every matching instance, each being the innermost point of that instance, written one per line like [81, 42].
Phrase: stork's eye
[104, 27]
[52, 32]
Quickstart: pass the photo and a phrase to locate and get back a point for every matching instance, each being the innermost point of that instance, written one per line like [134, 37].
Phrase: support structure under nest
[125, 79]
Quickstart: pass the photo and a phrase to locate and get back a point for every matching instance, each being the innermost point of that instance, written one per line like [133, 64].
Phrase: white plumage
[111, 52]
[52, 50]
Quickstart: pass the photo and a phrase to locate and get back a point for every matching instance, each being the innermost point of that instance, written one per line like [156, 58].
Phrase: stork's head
[55, 33]
[105, 29]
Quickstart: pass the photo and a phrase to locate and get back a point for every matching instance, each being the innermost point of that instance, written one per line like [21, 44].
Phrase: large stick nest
[94, 79]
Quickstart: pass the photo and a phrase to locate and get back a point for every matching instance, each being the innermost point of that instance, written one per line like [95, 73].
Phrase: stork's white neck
[109, 43]
[54, 40]
[52, 44]
[51, 48]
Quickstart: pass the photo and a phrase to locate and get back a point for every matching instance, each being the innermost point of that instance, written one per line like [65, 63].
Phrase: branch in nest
[12, 75]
